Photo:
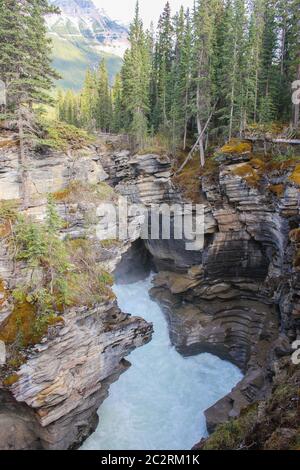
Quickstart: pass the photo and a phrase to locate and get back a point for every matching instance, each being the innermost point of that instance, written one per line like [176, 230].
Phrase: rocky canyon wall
[50, 400]
[239, 297]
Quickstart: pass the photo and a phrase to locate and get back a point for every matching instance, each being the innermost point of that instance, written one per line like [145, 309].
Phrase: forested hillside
[212, 72]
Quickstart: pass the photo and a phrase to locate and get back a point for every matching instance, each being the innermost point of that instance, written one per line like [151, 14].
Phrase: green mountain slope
[82, 36]
[72, 58]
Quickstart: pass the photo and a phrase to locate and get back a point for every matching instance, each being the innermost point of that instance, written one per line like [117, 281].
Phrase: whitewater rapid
[159, 403]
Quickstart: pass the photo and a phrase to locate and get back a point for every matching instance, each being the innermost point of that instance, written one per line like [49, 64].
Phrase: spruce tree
[135, 81]
[164, 58]
[104, 101]
[25, 65]
[117, 99]
[181, 78]
[88, 101]
[269, 74]
[204, 35]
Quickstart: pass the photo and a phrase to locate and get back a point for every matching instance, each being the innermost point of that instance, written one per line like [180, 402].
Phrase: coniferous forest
[201, 76]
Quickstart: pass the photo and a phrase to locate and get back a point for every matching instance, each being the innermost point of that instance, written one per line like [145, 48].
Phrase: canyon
[237, 298]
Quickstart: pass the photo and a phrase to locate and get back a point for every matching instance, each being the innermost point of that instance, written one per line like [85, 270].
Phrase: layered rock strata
[53, 402]
[239, 296]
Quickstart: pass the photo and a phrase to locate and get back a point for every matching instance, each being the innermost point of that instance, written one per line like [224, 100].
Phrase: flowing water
[158, 403]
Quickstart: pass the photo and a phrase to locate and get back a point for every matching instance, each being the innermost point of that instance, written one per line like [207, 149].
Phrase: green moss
[236, 147]
[77, 191]
[9, 143]
[109, 243]
[189, 179]
[258, 163]
[62, 136]
[18, 327]
[10, 380]
[5, 229]
[76, 244]
[248, 173]
[8, 209]
[243, 170]
[272, 424]
[277, 189]
[63, 195]
[16, 360]
[24, 327]
[295, 176]
[230, 436]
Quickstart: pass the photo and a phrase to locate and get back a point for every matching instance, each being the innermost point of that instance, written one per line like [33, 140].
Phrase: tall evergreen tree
[164, 57]
[104, 101]
[135, 80]
[256, 32]
[88, 100]
[268, 77]
[204, 35]
[117, 99]
[25, 64]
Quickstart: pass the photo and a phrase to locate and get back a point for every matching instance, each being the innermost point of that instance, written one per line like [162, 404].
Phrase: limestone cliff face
[239, 297]
[65, 379]
[54, 401]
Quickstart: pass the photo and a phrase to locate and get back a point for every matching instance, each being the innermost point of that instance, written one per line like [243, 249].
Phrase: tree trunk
[297, 106]
[232, 91]
[282, 52]
[274, 141]
[199, 125]
[197, 141]
[23, 162]
[256, 94]
[185, 119]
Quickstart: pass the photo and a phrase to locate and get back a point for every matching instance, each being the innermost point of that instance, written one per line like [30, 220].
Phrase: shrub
[61, 136]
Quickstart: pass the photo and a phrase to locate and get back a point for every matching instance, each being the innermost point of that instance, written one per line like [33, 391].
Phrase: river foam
[159, 403]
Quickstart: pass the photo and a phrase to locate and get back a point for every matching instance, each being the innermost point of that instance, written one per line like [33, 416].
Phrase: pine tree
[204, 35]
[256, 32]
[186, 73]
[25, 66]
[181, 78]
[135, 81]
[60, 110]
[164, 57]
[88, 101]
[117, 99]
[269, 76]
[231, 65]
[104, 101]
[210, 73]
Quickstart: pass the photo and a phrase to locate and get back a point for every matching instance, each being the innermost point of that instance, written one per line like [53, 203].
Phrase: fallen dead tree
[274, 141]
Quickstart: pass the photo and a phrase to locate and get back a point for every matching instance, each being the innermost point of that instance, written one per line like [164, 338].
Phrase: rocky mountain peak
[82, 19]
